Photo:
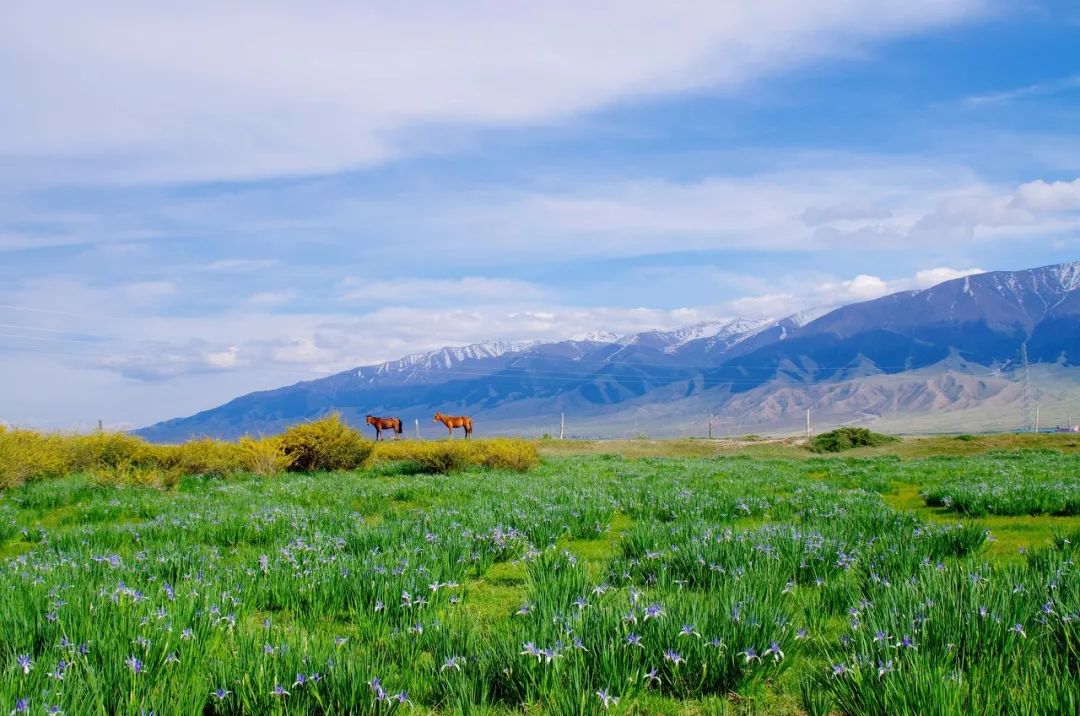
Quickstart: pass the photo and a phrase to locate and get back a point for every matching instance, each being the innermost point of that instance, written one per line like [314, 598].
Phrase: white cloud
[1033, 90]
[421, 290]
[127, 90]
[1041, 196]
[834, 293]
[267, 299]
[872, 206]
[931, 277]
[238, 265]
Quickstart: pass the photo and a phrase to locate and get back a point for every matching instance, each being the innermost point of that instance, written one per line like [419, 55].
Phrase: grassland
[795, 448]
[733, 578]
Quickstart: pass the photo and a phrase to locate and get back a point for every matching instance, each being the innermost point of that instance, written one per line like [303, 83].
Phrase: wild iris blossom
[733, 580]
[607, 699]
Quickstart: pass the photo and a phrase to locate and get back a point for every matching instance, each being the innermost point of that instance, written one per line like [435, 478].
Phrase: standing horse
[451, 422]
[381, 424]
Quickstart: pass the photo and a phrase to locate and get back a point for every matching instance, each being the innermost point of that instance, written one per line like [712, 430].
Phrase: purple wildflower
[674, 657]
[689, 630]
[607, 699]
[774, 651]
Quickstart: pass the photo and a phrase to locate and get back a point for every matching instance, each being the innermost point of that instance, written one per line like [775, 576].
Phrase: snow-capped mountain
[442, 359]
[997, 321]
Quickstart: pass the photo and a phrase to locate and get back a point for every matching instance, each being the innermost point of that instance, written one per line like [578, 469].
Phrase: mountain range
[974, 353]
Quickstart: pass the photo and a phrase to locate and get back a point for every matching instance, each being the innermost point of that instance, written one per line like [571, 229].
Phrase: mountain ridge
[1003, 320]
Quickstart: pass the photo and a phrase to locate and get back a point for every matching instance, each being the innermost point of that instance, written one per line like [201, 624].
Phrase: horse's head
[370, 419]
[437, 418]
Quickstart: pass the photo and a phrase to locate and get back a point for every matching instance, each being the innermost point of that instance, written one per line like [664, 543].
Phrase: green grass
[907, 447]
[441, 586]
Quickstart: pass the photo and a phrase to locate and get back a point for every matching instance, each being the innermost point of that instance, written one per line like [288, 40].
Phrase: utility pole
[1036, 417]
[99, 427]
[808, 423]
[562, 425]
[417, 420]
[710, 427]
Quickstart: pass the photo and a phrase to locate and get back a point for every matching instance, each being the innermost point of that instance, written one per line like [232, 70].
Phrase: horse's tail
[397, 425]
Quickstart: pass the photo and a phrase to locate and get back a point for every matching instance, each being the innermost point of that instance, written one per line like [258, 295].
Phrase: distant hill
[959, 348]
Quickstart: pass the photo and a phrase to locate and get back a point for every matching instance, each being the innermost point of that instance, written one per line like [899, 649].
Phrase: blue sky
[198, 203]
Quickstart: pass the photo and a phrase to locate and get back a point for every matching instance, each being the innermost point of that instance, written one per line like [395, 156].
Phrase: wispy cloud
[238, 265]
[409, 291]
[1037, 89]
[373, 77]
[837, 292]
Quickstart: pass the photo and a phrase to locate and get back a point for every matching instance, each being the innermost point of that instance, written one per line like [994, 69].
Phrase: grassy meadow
[690, 577]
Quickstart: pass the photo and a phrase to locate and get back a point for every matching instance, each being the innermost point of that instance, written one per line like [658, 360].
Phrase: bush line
[326, 444]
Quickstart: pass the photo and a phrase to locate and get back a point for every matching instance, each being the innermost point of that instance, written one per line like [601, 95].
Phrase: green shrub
[446, 456]
[509, 454]
[104, 450]
[263, 457]
[324, 444]
[847, 438]
[26, 455]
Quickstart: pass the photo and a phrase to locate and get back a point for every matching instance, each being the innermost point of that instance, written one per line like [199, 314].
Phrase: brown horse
[451, 422]
[381, 424]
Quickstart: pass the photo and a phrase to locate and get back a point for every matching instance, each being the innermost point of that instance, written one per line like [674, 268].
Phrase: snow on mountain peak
[738, 329]
[1068, 274]
[801, 318]
[447, 357]
[597, 337]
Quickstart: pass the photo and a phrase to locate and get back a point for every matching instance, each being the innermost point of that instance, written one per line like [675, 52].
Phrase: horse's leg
[451, 431]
